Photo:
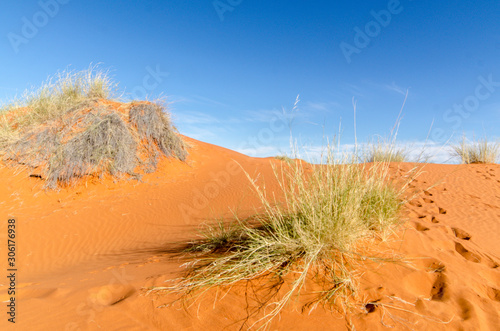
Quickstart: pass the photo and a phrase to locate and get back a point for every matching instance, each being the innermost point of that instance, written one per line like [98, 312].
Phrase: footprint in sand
[461, 234]
[442, 211]
[466, 254]
[434, 219]
[110, 294]
[471, 256]
[490, 262]
[466, 309]
[420, 227]
[493, 293]
[416, 203]
[429, 264]
[439, 291]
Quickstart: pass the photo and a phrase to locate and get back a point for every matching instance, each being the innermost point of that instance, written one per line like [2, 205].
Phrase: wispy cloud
[195, 117]
[195, 99]
[321, 106]
[354, 90]
[262, 151]
[395, 88]
[199, 133]
[416, 151]
[202, 99]
[263, 115]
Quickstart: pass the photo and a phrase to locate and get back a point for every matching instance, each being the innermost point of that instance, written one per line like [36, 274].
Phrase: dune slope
[84, 254]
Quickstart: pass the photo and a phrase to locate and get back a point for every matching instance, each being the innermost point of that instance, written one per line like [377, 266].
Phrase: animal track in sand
[466, 254]
[110, 294]
[442, 211]
[434, 219]
[466, 309]
[420, 227]
[491, 263]
[429, 264]
[416, 203]
[493, 293]
[473, 257]
[427, 200]
[439, 291]
[461, 234]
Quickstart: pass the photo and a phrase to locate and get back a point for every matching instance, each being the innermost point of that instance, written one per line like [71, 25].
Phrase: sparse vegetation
[59, 94]
[312, 229]
[283, 157]
[478, 151]
[384, 151]
[69, 128]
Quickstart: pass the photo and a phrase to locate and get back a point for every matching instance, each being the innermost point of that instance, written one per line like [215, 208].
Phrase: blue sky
[230, 67]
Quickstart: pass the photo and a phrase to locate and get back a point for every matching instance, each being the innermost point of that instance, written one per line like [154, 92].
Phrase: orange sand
[84, 254]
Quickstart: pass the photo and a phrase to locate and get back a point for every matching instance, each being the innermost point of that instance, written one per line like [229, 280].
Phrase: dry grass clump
[283, 158]
[67, 131]
[60, 93]
[324, 210]
[155, 130]
[384, 151]
[479, 151]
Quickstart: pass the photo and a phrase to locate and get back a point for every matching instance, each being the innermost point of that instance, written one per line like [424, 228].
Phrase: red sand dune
[84, 254]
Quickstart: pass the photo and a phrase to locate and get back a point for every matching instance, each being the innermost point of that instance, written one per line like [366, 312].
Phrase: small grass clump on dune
[480, 151]
[69, 129]
[383, 151]
[322, 212]
[284, 158]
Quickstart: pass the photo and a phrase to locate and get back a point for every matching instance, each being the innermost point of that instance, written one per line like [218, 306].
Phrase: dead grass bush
[155, 129]
[66, 131]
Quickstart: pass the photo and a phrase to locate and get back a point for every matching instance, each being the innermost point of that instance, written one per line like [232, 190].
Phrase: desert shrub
[155, 129]
[478, 151]
[325, 209]
[65, 130]
[105, 146]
